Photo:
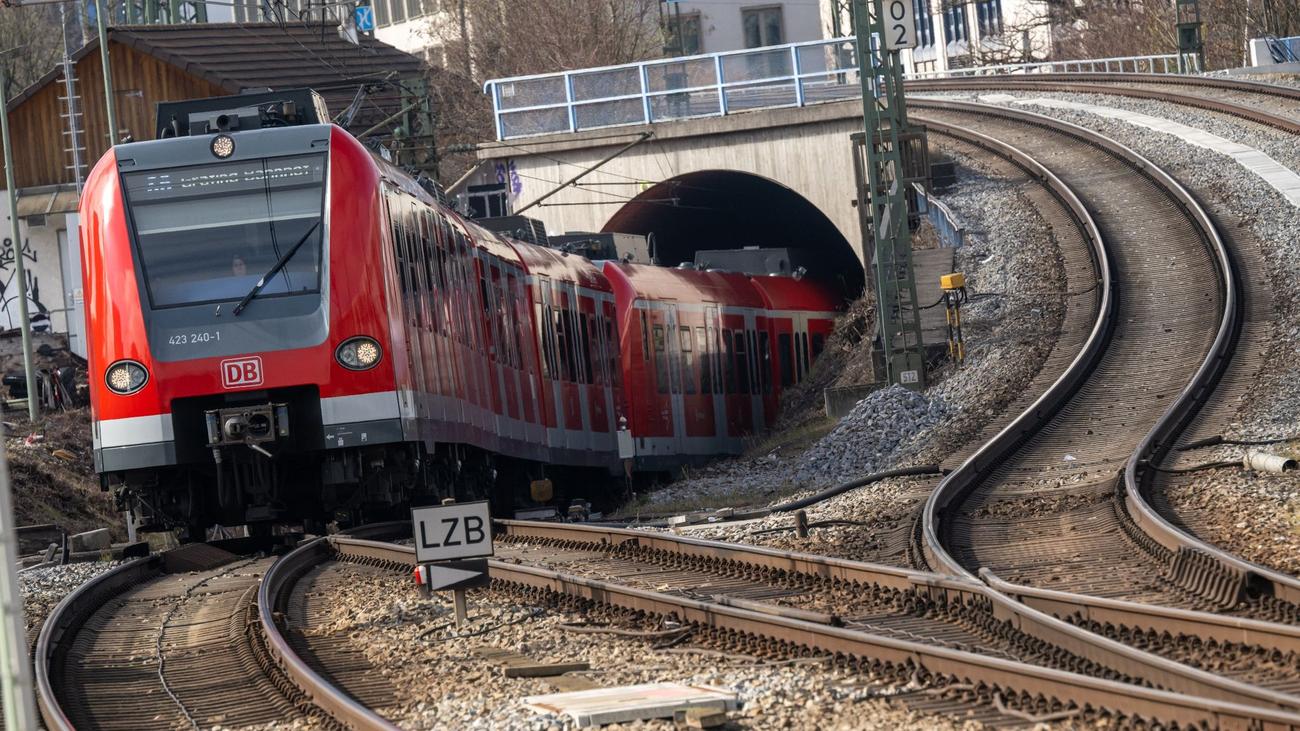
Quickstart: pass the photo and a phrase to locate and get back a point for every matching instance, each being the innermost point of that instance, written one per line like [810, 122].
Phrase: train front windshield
[207, 233]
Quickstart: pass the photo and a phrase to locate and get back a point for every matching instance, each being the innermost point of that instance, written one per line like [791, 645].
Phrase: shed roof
[240, 56]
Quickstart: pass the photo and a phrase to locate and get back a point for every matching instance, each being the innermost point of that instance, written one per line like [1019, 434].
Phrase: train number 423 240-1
[194, 338]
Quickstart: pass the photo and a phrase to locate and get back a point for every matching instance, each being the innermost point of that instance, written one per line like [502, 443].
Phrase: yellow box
[956, 280]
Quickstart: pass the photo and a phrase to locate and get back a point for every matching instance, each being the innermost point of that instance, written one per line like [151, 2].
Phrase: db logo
[241, 372]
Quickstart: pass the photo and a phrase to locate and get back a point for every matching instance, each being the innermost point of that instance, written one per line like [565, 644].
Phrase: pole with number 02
[884, 28]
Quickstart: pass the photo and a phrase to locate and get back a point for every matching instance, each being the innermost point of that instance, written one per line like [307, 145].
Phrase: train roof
[546, 262]
[687, 285]
[783, 292]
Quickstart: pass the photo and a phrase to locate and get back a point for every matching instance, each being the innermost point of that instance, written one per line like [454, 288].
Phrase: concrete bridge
[775, 177]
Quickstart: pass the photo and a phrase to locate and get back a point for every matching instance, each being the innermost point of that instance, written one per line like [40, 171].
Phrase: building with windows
[711, 26]
[962, 33]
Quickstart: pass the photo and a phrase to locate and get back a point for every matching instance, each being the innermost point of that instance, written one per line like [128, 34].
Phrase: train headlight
[223, 146]
[126, 377]
[358, 354]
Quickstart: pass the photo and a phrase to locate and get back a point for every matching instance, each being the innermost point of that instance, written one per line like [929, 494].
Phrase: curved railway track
[1272, 105]
[1017, 510]
[1175, 533]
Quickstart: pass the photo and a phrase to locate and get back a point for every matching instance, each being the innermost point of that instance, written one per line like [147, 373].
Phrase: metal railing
[718, 84]
[1158, 64]
[951, 234]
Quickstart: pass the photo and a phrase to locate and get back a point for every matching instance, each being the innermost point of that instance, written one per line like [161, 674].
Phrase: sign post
[884, 29]
[445, 536]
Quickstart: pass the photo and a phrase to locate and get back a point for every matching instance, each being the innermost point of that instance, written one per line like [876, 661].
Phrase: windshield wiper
[274, 270]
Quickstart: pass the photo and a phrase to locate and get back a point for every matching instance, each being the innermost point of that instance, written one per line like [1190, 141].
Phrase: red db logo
[241, 372]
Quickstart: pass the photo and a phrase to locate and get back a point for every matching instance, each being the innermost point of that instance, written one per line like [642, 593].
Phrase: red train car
[284, 327]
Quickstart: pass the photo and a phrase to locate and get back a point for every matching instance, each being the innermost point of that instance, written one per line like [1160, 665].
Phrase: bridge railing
[717, 84]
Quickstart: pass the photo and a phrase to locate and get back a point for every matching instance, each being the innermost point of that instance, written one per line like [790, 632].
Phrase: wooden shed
[155, 63]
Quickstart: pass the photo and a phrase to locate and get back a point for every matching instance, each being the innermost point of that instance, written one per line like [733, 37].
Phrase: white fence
[717, 84]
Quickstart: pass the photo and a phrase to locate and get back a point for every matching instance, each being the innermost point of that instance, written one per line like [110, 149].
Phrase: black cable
[1218, 439]
[1194, 468]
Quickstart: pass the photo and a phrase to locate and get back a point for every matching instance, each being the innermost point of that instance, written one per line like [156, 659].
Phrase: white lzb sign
[445, 532]
[900, 25]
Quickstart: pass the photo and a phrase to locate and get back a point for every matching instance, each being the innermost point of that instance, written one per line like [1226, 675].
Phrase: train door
[735, 358]
[610, 356]
[567, 340]
[552, 408]
[713, 363]
[528, 379]
[593, 351]
[758, 376]
[783, 334]
[697, 397]
[677, 402]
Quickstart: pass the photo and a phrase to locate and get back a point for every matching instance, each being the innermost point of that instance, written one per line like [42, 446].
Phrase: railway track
[775, 603]
[178, 640]
[1178, 532]
[1272, 105]
[1017, 512]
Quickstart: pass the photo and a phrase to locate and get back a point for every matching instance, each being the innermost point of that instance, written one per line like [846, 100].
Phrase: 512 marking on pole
[458, 530]
[900, 24]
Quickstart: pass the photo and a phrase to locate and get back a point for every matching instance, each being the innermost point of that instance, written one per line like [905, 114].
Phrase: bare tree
[492, 38]
[34, 33]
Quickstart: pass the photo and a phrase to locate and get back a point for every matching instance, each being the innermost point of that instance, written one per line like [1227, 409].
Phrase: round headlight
[223, 146]
[358, 354]
[126, 377]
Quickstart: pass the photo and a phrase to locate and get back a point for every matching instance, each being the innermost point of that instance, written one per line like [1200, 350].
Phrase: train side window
[548, 334]
[612, 352]
[661, 360]
[765, 361]
[742, 364]
[706, 361]
[728, 362]
[688, 360]
[645, 336]
[562, 345]
[755, 369]
[785, 359]
[585, 350]
[807, 359]
[818, 345]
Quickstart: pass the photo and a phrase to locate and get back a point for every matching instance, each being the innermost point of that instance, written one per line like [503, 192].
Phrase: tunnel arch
[728, 209]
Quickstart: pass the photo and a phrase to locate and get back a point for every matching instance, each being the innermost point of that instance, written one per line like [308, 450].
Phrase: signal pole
[110, 104]
[20, 274]
[15, 673]
[884, 28]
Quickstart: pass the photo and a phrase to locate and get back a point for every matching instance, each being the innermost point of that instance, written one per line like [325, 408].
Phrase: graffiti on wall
[37, 312]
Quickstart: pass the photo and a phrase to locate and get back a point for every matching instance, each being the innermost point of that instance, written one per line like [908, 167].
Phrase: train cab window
[785, 359]
[706, 361]
[742, 364]
[765, 361]
[818, 345]
[661, 360]
[207, 233]
[688, 361]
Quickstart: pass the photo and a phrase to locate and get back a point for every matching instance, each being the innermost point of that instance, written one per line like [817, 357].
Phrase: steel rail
[272, 596]
[52, 644]
[1070, 688]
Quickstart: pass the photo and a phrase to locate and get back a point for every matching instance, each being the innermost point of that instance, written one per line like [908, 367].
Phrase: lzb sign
[900, 25]
[458, 530]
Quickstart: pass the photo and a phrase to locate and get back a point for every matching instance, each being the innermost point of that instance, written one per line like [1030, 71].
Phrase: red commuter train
[284, 327]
